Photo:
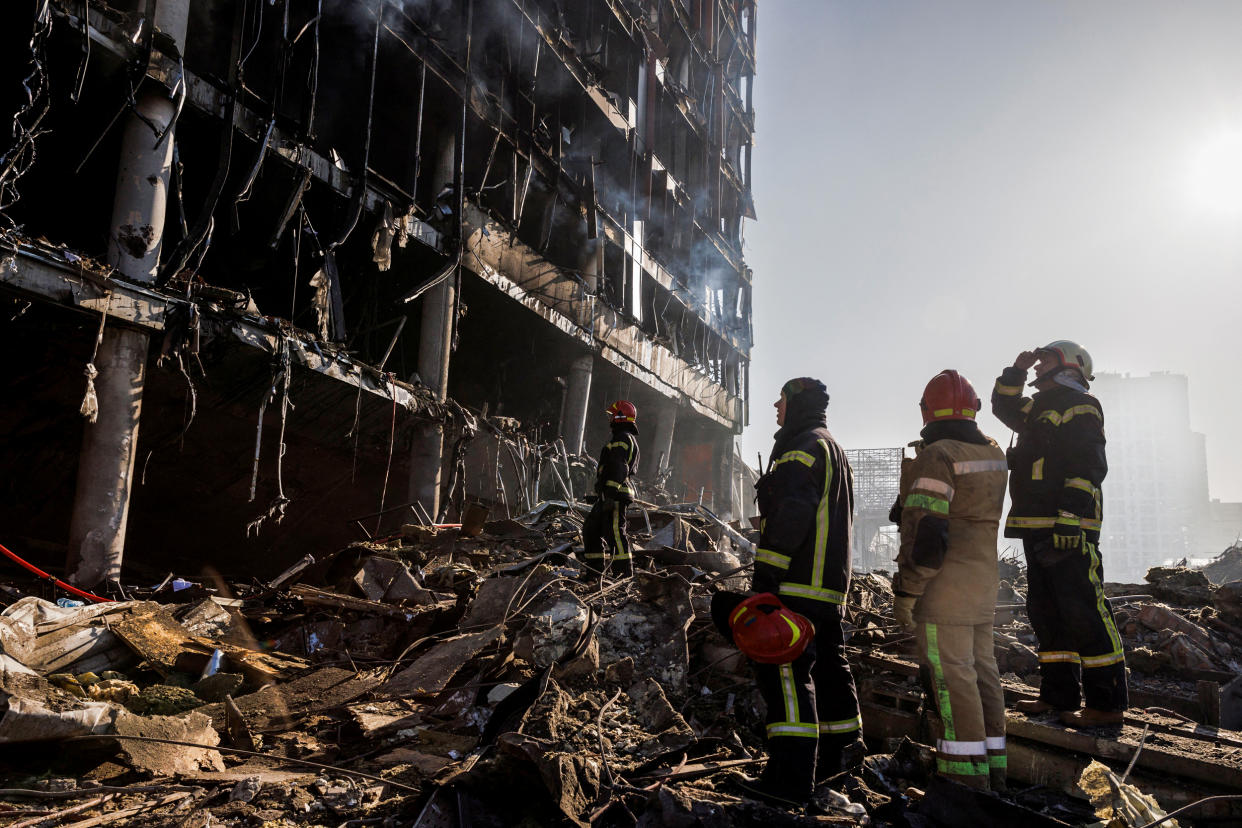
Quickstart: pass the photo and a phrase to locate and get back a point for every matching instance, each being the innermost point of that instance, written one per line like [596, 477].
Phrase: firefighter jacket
[952, 497]
[806, 506]
[617, 461]
[1058, 463]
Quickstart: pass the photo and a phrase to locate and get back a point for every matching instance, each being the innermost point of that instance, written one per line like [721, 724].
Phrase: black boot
[837, 756]
[770, 792]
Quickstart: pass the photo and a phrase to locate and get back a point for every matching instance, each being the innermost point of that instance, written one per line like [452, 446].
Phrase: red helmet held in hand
[623, 411]
[949, 396]
[769, 632]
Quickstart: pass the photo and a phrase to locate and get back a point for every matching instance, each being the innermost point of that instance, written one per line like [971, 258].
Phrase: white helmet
[1067, 354]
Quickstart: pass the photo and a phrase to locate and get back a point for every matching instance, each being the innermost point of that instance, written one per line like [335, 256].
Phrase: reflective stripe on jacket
[806, 501]
[618, 460]
[1058, 463]
[952, 496]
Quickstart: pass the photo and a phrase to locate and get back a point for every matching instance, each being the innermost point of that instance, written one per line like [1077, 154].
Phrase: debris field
[447, 677]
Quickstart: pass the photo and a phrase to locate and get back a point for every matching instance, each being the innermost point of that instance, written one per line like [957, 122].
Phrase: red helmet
[769, 632]
[949, 396]
[623, 411]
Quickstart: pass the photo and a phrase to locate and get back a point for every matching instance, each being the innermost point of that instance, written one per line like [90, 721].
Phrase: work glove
[1066, 535]
[903, 611]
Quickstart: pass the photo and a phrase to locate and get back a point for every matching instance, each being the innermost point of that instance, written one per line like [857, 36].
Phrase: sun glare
[1215, 180]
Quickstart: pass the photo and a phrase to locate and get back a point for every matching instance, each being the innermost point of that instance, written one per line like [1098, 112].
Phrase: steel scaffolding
[877, 478]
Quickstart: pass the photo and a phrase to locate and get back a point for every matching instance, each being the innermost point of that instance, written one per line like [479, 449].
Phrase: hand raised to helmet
[1025, 360]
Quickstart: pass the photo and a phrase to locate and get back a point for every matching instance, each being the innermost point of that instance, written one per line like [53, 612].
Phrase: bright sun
[1215, 180]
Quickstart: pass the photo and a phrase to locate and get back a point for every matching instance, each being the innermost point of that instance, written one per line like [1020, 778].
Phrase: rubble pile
[447, 675]
[478, 676]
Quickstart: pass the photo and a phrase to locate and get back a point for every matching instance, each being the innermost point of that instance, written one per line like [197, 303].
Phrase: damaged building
[311, 269]
[312, 309]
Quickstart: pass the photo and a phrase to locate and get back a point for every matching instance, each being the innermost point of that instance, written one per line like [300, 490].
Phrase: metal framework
[877, 478]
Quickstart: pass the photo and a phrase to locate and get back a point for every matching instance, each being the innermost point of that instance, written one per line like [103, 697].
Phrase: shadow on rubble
[452, 677]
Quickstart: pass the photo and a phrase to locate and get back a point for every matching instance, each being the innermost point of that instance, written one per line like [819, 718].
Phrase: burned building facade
[281, 271]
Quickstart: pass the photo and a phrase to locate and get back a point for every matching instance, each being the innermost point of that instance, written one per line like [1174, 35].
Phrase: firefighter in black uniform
[606, 545]
[1056, 470]
[806, 504]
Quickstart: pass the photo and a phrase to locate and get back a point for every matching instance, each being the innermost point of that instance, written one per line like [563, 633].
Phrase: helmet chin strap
[1061, 376]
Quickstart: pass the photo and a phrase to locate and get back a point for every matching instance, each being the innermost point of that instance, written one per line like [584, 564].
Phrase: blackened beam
[442, 64]
[206, 97]
[578, 71]
[682, 14]
[40, 272]
[526, 277]
[550, 170]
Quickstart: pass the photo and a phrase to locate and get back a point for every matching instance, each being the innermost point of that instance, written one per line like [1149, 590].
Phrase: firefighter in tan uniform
[952, 497]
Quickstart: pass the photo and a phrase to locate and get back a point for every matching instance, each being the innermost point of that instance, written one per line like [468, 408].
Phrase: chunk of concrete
[652, 630]
[162, 759]
[553, 632]
[433, 670]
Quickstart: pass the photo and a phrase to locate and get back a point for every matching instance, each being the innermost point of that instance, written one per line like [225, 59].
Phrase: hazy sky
[943, 184]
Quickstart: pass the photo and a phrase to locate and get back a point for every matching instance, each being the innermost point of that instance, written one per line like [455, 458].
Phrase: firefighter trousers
[812, 705]
[965, 684]
[1080, 653]
[605, 542]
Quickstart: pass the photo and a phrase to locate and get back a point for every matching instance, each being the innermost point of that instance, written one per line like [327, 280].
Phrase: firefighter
[806, 505]
[952, 498]
[1056, 470]
[605, 542]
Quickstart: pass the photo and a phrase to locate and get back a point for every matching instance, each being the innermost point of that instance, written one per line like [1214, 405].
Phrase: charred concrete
[478, 217]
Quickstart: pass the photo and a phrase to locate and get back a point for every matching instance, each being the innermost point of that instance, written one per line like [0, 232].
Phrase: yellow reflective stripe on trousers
[620, 487]
[822, 517]
[793, 729]
[790, 692]
[1054, 656]
[962, 768]
[1101, 606]
[843, 726]
[953, 748]
[932, 504]
[771, 558]
[805, 458]
[830, 596]
[619, 552]
[942, 689]
[1001, 761]
[1103, 661]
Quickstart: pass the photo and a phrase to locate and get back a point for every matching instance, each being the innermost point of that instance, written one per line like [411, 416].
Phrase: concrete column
[106, 466]
[660, 457]
[723, 501]
[578, 388]
[434, 349]
[577, 401]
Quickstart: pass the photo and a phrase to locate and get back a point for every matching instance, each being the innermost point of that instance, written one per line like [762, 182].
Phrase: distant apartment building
[1156, 493]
